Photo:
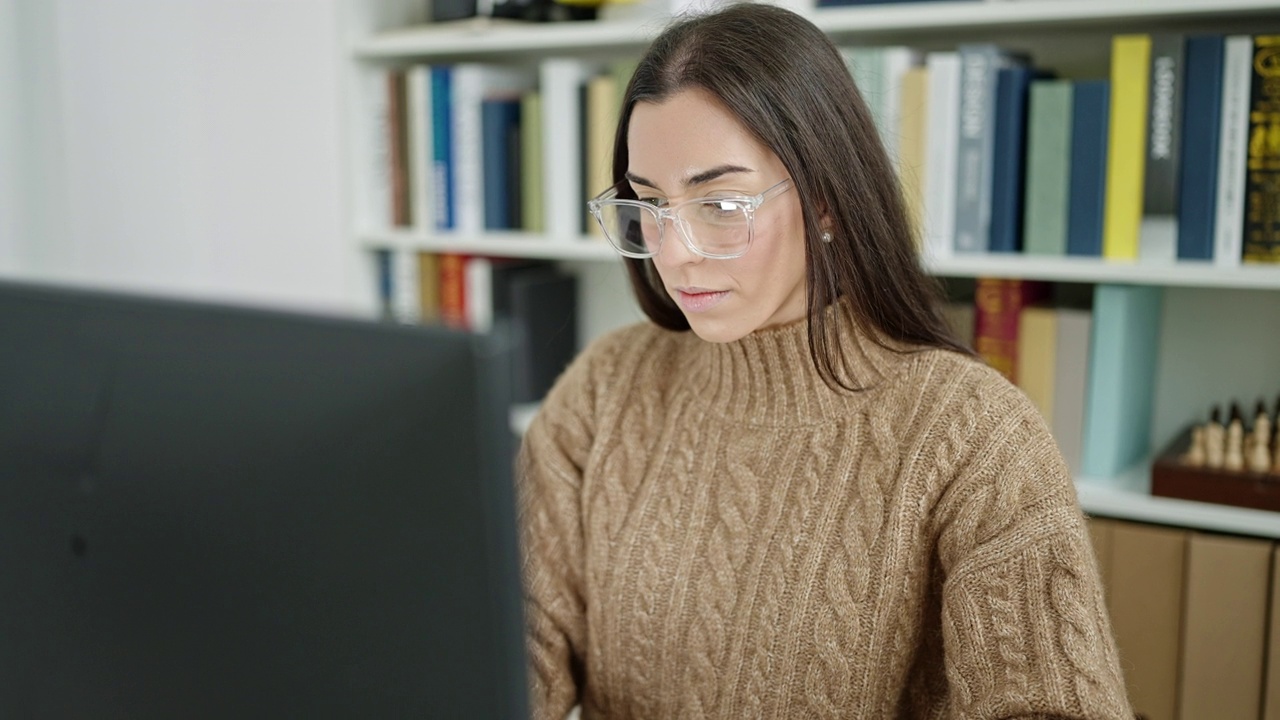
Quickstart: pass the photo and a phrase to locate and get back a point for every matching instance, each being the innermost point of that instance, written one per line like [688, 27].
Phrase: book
[1145, 604]
[979, 67]
[405, 293]
[533, 202]
[1224, 627]
[998, 303]
[472, 84]
[373, 206]
[602, 124]
[1233, 148]
[1071, 383]
[1008, 170]
[1201, 124]
[429, 288]
[1037, 354]
[453, 291]
[1158, 233]
[398, 143]
[562, 146]
[1122, 363]
[420, 152]
[941, 138]
[912, 155]
[384, 267]
[1086, 197]
[500, 118]
[1126, 156]
[1048, 167]
[1262, 185]
[443, 194]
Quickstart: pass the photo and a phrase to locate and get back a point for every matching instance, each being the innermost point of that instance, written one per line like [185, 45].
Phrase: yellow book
[1126, 146]
[429, 288]
[531, 189]
[912, 122]
[1037, 353]
[602, 124]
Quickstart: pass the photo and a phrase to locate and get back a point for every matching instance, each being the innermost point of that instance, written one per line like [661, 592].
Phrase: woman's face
[689, 146]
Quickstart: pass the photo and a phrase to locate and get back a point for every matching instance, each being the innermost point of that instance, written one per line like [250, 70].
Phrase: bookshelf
[1209, 311]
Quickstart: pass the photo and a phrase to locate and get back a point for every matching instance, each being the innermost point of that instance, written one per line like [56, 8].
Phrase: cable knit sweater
[711, 531]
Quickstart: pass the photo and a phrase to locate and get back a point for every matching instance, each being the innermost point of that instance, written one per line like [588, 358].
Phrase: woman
[815, 503]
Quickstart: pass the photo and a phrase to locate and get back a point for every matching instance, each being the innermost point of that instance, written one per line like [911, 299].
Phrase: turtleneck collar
[768, 377]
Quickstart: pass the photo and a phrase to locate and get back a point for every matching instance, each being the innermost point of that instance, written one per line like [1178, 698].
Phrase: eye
[654, 201]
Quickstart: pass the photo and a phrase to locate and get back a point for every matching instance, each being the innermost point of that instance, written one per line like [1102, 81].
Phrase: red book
[998, 304]
[453, 290]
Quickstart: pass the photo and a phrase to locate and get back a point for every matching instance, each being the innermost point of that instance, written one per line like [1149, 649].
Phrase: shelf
[512, 244]
[487, 37]
[1114, 15]
[1129, 497]
[1093, 270]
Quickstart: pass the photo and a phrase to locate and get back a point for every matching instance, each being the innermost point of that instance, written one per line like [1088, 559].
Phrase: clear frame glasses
[719, 227]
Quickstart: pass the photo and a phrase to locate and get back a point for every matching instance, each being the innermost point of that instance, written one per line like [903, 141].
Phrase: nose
[675, 250]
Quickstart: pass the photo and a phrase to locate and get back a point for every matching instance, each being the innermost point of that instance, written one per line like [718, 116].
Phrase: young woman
[792, 494]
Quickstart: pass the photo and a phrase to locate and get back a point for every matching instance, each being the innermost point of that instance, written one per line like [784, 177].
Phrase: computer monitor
[218, 512]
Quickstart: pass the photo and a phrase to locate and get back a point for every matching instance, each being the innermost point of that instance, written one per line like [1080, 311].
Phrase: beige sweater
[710, 531]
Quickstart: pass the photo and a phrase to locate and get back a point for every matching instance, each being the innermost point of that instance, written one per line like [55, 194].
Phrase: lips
[696, 300]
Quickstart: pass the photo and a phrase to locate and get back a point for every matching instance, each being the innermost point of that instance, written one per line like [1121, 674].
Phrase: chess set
[1224, 462]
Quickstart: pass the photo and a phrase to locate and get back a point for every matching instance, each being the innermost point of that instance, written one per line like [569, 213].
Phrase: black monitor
[218, 512]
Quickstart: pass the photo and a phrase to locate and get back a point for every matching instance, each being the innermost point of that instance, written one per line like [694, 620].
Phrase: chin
[717, 331]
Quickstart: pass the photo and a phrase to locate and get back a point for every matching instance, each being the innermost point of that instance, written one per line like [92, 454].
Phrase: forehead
[687, 133]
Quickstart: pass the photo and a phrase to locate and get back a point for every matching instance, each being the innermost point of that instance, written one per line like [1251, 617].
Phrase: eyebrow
[705, 176]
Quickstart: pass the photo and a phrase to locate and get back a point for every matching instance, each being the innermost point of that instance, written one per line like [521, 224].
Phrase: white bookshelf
[1235, 310]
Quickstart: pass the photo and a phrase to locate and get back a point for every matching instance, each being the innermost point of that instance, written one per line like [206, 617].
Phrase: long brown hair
[786, 83]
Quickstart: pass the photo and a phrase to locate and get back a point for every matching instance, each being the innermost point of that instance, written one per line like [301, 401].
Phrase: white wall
[189, 147]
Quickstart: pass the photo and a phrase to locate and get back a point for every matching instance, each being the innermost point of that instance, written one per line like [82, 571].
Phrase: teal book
[1044, 229]
[1122, 376]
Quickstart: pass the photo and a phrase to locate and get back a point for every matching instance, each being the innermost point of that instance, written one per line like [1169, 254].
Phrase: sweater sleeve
[550, 466]
[1024, 624]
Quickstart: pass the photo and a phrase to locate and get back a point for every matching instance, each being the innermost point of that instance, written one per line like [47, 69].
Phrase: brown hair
[786, 83]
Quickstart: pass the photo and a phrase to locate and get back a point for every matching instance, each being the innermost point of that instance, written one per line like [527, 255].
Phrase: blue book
[1009, 150]
[385, 261]
[1091, 108]
[445, 198]
[1201, 125]
[1121, 385]
[500, 128]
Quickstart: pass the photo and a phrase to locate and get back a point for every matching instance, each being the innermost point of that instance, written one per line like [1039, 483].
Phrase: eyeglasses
[719, 227]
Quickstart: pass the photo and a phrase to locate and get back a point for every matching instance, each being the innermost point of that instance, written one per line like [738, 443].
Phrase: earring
[826, 236]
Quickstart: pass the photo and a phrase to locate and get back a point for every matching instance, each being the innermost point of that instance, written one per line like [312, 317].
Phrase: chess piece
[1258, 456]
[1215, 441]
[1195, 456]
[1233, 459]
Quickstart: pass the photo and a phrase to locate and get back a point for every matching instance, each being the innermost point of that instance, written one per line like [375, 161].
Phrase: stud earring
[826, 236]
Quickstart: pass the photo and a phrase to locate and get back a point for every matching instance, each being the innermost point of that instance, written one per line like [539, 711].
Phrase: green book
[532, 205]
[1044, 228]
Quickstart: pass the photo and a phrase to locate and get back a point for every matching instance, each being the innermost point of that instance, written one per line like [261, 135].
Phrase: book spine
[897, 62]
[1086, 198]
[941, 139]
[998, 303]
[453, 291]
[1233, 146]
[496, 121]
[418, 95]
[1008, 153]
[1122, 361]
[468, 93]
[406, 293]
[911, 143]
[1126, 155]
[375, 187]
[602, 122]
[442, 147]
[429, 287]
[533, 203]
[398, 142]
[563, 187]
[1262, 189]
[1048, 169]
[384, 265]
[1201, 124]
[979, 67]
[478, 274]
[1159, 231]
